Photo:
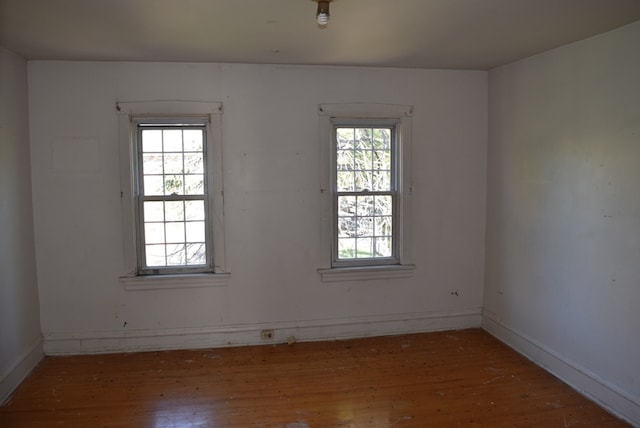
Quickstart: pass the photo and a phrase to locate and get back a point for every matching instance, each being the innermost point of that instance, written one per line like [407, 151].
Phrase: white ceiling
[459, 34]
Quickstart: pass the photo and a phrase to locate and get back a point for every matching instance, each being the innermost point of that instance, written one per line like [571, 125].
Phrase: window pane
[174, 232]
[364, 226]
[364, 248]
[193, 140]
[382, 159]
[153, 185]
[154, 233]
[176, 255]
[174, 210]
[195, 231]
[383, 205]
[152, 163]
[383, 247]
[345, 160]
[382, 181]
[173, 184]
[151, 140]
[194, 210]
[194, 184]
[345, 181]
[347, 227]
[172, 139]
[155, 255]
[364, 181]
[153, 211]
[383, 226]
[365, 205]
[173, 163]
[346, 248]
[345, 138]
[363, 138]
[346, 205]
[196, 254]
[193, 163]
[382, 138]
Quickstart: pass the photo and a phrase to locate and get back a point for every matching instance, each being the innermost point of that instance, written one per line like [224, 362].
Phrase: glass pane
[176, 255]
[173, 163]
[364, 248]
[194, 184]
[345, 181]
[364, 180]
[196, 254]
[172, 140]
[365, 205]
[382, 181]
[345, 138]
[383, 247]
[153, 185]
[383, 226]
[344, 159]
[381, 159]
[363, 138]
[346, 227]
[365, 227]
[193, 163]
[155, 255]
[153, 211]
[383, 205]
[173, 185]
[174, 210]
[363, 160]
[194, 210]
[195, 231]
[382, 138]
[192, 140]
[174, 232]
[346, 248]
[154, 233]
[152, 163]
[151, 140]
[346, 205]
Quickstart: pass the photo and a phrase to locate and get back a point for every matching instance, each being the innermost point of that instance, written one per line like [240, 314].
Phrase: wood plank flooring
[446, 379]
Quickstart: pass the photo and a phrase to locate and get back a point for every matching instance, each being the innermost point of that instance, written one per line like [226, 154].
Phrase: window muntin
[174, 234]
[365, 193]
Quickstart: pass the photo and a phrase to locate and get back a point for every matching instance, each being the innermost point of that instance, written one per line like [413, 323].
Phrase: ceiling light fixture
[323, 12]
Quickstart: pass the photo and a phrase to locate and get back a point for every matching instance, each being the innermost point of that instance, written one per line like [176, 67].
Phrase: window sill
[164, 282]
[364, 273]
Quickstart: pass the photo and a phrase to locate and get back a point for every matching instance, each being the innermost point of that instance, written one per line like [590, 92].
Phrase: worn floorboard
[446, 379]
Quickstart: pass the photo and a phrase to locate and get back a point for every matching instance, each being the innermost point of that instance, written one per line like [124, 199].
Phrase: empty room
[307, 213]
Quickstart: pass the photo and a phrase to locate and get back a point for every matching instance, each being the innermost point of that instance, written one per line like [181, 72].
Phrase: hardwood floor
[445, 379]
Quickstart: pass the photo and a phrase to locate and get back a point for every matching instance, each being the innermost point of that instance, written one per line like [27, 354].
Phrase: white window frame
[400, 116]
[129, 115]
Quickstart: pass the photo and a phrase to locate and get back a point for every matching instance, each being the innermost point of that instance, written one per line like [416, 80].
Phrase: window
[172, 193]
[171, 196]
[366, 190]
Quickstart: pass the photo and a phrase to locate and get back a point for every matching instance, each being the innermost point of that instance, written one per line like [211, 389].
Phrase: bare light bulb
[323, 12]
[323, 18]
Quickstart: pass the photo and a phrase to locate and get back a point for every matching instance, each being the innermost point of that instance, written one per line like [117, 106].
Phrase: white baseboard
[249, 334]
[20, 370]
[579, 378]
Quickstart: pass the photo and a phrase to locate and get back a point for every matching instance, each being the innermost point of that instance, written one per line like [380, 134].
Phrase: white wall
[20, 339]
[563, 217]
[272, 201]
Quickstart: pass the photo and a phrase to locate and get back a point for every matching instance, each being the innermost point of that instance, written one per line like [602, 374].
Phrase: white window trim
[135, 109]
[403, 114]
